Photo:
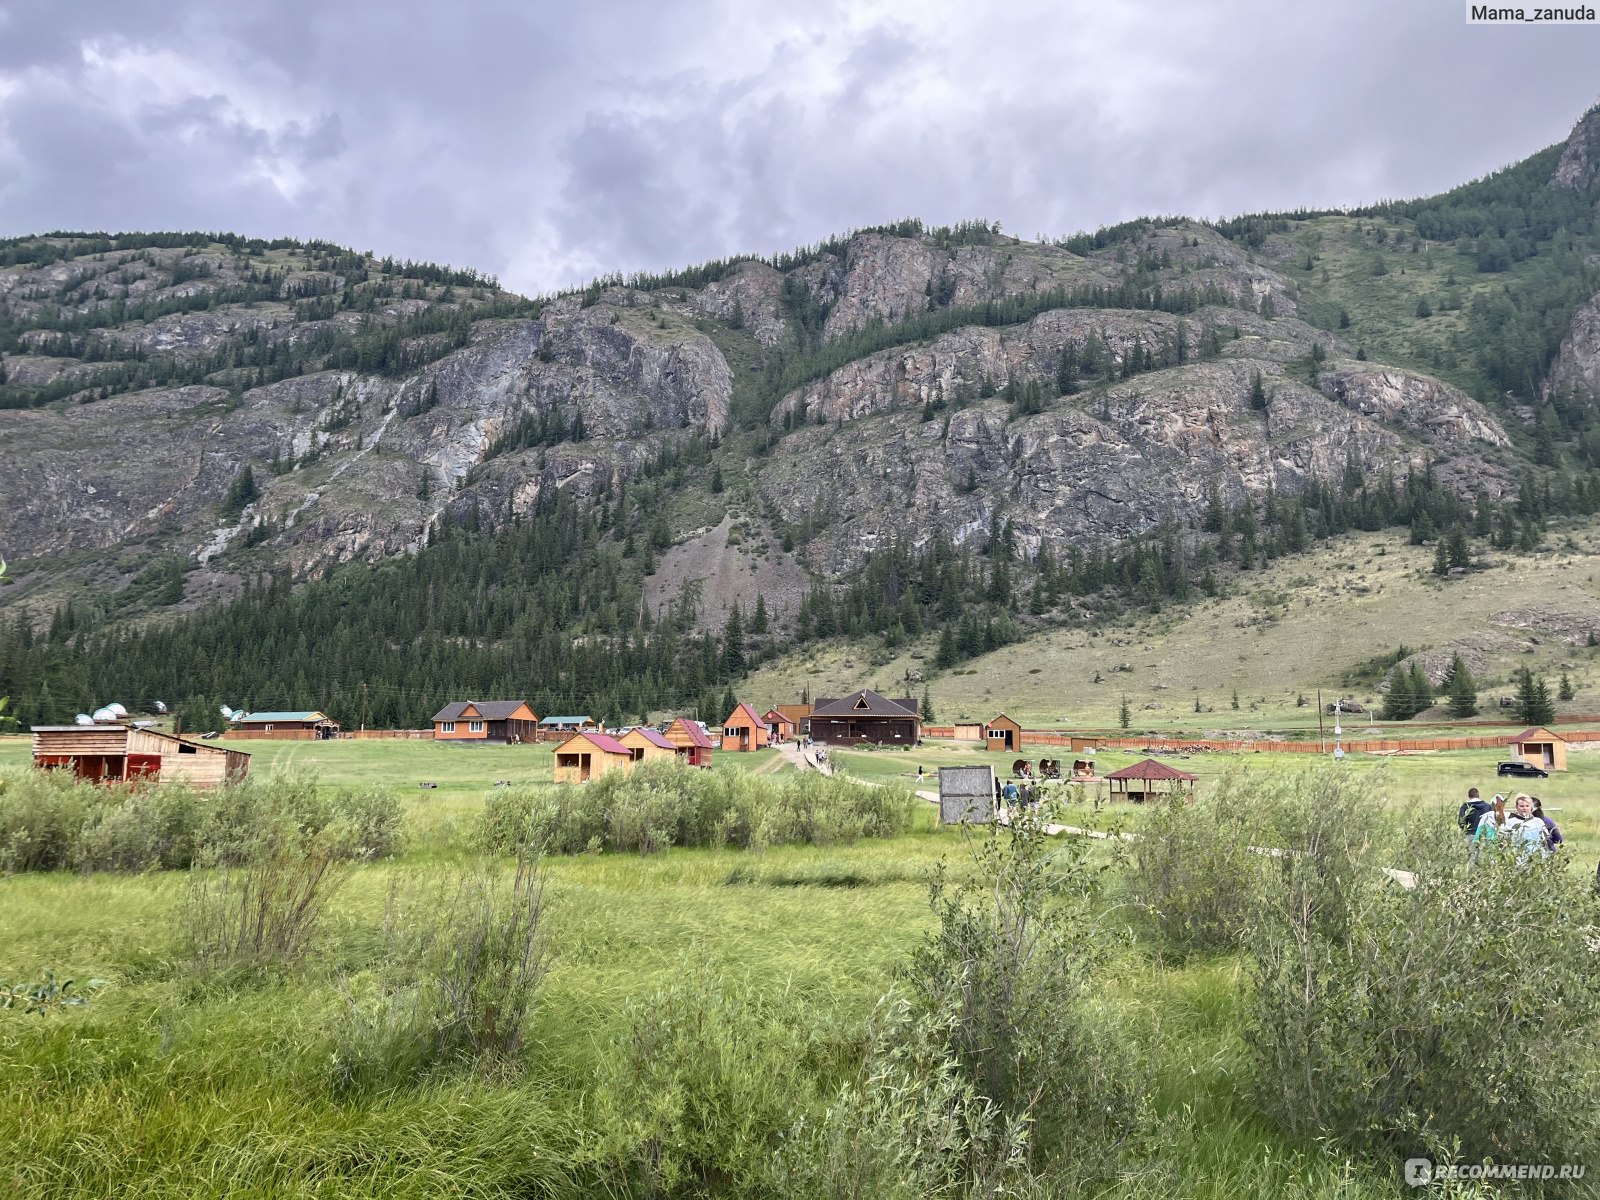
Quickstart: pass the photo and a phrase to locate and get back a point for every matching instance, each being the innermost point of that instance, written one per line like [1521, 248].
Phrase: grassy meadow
[180, 1081]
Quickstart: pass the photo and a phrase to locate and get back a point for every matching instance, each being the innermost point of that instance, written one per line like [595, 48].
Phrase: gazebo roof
[1150, 770]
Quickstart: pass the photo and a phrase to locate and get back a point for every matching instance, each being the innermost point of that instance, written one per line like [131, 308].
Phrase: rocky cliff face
[1577, 365]
[368, 404]
[1580, 160]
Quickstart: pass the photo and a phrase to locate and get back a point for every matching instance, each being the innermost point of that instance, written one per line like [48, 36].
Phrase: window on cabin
[475, 727]
[447, 726]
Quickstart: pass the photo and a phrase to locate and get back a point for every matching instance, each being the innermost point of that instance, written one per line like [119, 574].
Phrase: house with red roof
[744, 730]
[692, 742]
[1541, 748]
[779, 727]
[586, 756]
[1149, 780]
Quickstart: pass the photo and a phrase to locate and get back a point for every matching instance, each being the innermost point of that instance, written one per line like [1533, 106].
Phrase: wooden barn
[555, 729]
[743, 730]
[692, 743]
[122, 753]
[1002, 733]
[779, 727]
[1541, 748]
[865, 716]
[486, 722]
[583, 756]
[967, 731]
[646, 745]
[284, 726]
[1149, 780]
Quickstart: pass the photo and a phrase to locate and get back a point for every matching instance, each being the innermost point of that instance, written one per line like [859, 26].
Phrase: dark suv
[1526, 769]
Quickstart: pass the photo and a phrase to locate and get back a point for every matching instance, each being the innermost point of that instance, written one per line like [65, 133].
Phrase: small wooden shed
[744, 730]
[1149, 780]
[555, 729]
[646, 745]
[692, 743]
[968, 731]
[583, 756]
[123, 753]
[1002, 733]
[1542, 748]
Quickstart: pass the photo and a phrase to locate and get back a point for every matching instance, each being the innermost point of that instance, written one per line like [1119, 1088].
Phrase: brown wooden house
[584, 756]
[798, 714]
[744, 730]
[124, 754]
[558, 729]
[646, 745]
[294, 726]
[1149, 780]
[865, 716]
[486, 722]
[1002, 733]
[779, 727]
[1541, 748]
[692, 743]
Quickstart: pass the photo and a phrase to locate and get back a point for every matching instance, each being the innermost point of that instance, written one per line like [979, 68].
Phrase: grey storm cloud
[550, 143]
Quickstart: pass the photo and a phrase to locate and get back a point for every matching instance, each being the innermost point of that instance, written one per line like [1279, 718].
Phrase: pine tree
[1565, 691]
[1124, 714]
[758, 620]
[1441, 560]
[733, 644]
[1532, 704]
[927, 705]
[1462, 689]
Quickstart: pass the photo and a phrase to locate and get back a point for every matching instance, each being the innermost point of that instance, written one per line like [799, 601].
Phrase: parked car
[1526, 769]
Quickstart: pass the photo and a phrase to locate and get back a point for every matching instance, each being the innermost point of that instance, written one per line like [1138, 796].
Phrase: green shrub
[1457, 1017]
[1010, 973]
[662, 805]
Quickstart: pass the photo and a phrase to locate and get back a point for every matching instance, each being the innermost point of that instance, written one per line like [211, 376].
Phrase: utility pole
[1319, 721]
[363, 706]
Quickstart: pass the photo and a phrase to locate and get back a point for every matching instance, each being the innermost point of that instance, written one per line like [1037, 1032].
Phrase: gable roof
[773, 717]
[1537, 734]
[601, 741]
[749, 713]
[258, 717]
[649, 735]
[489, 710]
[692, 731]
[565, 720]
[1000, 719]
[865, 703]
[1149, 770]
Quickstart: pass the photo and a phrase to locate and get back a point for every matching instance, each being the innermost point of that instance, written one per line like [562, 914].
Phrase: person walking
[1471, 812]
[1553, 836]
[1488, 827]
[1526, 832]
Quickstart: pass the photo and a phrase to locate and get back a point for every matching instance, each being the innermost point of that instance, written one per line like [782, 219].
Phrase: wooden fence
[410, 735]
[1042, 737]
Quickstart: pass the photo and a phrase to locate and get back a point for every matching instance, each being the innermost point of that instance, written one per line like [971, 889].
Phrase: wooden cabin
[646, 745]
[779, 727]
[1002, 733]
[967, 731]
[284, 726]
[692, 743]
[743, 730]
[799, 715]
[555, 729]
[486, 722]
[584, 756]
[865, 716]
[1149, 780]
[1541, 748]
[125, 754]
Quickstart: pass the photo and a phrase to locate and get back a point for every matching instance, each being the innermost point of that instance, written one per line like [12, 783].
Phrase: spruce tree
[1565, 691]
[1462, 690]
[927, 705]
[1124, 714]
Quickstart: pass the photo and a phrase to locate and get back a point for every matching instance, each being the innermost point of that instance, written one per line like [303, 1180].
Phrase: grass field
[170, 1083]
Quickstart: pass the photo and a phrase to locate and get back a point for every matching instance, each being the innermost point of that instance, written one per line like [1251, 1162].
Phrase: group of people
[1525, 827]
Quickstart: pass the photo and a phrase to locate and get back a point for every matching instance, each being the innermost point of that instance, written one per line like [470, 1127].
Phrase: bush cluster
[662, 805]
[50, 821]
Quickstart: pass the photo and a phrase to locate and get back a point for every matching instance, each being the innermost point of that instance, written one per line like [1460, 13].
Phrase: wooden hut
[1541, 748]
[284, 726]
[646, 745]
[1149, 780]
[583, 756]
[744, 730]
[865, 716]
[486, 722]
[122, 753]
[779, 727]
[1002, 733]
[555, 729]
[968, 731]
[799, 715]
[691, 742]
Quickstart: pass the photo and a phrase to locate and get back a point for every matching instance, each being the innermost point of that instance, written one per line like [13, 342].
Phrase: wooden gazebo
[1149, 780]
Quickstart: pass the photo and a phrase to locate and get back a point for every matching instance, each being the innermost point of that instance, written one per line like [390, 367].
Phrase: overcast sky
[548, 143]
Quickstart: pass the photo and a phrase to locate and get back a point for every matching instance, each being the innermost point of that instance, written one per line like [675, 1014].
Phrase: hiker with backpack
[1487, 831]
